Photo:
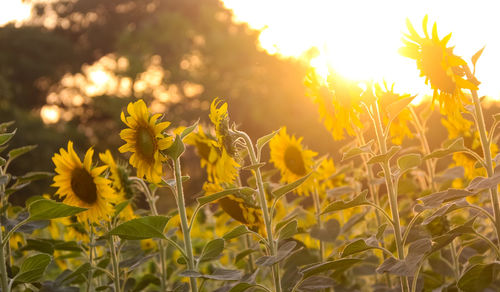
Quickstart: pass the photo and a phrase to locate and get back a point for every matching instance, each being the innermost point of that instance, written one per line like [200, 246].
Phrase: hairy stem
[181, 206]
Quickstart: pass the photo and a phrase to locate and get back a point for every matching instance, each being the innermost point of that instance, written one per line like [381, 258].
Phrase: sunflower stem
[3, 268]
[91, 257]
[263, 205]
[151, 201]
[317, 206]
[181, 205]
[391, 190]
[485, 143]
[116, 267]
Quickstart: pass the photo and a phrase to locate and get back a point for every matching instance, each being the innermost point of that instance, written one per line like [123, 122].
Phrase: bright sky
[12, 10]
[361, 38]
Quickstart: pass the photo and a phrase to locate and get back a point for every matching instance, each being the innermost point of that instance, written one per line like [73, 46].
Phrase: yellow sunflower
[120, 183]
[82, 184]
[439, 66]
[338, 100]
[399, 127]
[292, 159]
[219, 117]
[144, 138]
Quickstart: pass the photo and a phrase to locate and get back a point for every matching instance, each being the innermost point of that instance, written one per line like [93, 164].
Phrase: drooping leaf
[241, 287]
[328, 232]
[416, 252]
[33, 268]
[141, 228]
[212, 250]
[359, 200]
[445, 239]
[409, 161]
[33, 176]
[462, 203]
[47, 209]
[480, 183]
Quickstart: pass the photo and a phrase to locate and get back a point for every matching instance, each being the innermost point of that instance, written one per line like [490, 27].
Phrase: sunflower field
[273, 214]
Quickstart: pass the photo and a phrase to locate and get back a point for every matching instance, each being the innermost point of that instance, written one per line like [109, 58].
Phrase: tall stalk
[3, 267]
[317, 207]
[91, 257]
[263, 205]
[114, 261]
[391, 189]
[485, 143]
[181, 206]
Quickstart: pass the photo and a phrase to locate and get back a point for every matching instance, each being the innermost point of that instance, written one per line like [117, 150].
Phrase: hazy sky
[361, 38]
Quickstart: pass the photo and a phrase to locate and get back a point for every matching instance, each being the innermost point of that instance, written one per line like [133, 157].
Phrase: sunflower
[82, 184]
[120, 183]
[399, 127]
[145, 140]
[219, 117]
[440, 67]
[338, 100]
[291, 158]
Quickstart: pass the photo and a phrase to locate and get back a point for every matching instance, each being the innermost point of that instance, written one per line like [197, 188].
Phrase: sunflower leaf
[212, 250]
[4, 138]
[32, 268]
[289, 230]
[478, 277]
[359, 200]
[409, 161]
[283, 190]
[395, 108]
[14, 153]
[456, 146]
[236, 232]
[338, 265]
[176, 149]
[358, 150]
[189, 129]
[262, 141]
[219, 195]
[476, 56]
[44, 209]
[141, 228]
[385, 157]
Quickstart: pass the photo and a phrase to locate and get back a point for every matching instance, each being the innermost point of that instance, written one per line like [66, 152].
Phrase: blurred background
[69, 67]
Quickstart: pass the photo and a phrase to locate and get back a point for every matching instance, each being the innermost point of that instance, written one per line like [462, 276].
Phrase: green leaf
[4, 138]
[219, 195]
[476, 56]
[382, 158]
[338, 265]
[176, 149]
[241, 287]
[142, 228]
[359, 200]
[243, 254]
[367, 148]
[262, 141]
[360, 245]
[218, 274]
[33, 176]
[2, 161]
[316, 283]
[47, 209]
[4, 126]
[409, 161]
[283, 252]
[455, 146]
[435, 200]
[443, 211]
[32, 268]
[480, 183]
[283, 190]
[236, 232]
[119, 207]
[289, 230]
[14, 153]
[189, 129]
[395, 108]
[212, 250]
[328, 232]
[478, 277]
[407, 267]
[443, 240]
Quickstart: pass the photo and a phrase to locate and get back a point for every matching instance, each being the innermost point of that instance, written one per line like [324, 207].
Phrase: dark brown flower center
[83, 185]
[294, 161]
[145, 143]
